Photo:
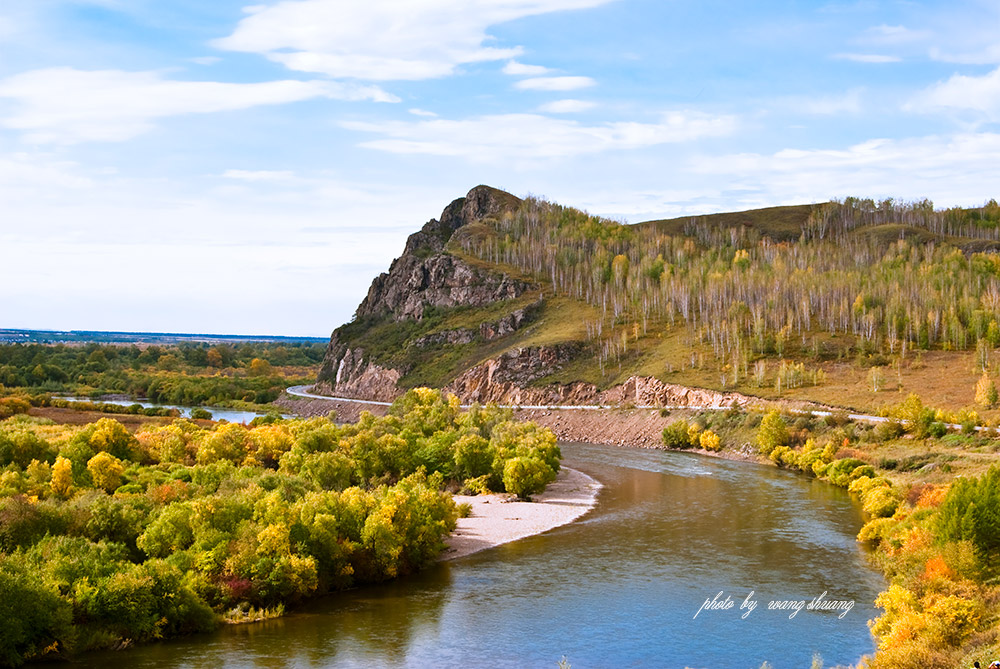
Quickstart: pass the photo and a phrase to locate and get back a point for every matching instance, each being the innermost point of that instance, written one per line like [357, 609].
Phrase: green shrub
[676, 436]
[971, 511]
[525, 476]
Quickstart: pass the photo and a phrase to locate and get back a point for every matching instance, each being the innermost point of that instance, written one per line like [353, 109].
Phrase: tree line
[862, 269]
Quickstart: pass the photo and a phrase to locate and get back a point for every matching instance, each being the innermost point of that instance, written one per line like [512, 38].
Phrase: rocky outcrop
[350, 375]
[506, 379]
[455, 337]
[510, 323]
[649, 391]
[424, 276]
[440, 280]
[507, 325]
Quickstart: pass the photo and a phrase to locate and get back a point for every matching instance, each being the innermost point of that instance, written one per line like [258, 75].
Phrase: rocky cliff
[425, 276]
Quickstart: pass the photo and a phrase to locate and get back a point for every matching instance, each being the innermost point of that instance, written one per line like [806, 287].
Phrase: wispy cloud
[959, 169]
[67, 105]
[988, 54]
[554, 83]
[961, 93]
[259, 175]
[517, 69]
[382, 40]
[526, 137]
[566, 106]
[889, 35]
[868, 57]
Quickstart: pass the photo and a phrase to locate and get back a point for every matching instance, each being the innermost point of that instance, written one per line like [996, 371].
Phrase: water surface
[218, 413]
[617, 588]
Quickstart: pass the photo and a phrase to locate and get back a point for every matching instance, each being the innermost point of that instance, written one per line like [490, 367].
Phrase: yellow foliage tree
[986, 391]
[259, 367]
[106, 471]
[62, 477]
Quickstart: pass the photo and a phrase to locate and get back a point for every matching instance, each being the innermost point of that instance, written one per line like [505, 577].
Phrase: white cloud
[259, 175]
[554, 83]
[517, 69]
[868, 57]
[951, 170]
[986, 55]
[66, 105]
[525, 137]
[962, 93]
[63, 221]
[422, 112]
[566, 106]
[382, 40]
[886, 34]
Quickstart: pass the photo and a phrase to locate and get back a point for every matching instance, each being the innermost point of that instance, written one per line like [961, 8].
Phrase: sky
[224, 167]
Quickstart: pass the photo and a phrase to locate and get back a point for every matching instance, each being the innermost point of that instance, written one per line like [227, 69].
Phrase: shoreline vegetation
[930, 496]
[109, 537]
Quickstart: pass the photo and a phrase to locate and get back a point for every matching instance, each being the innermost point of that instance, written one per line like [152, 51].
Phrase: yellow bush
[710, 441]
[62, 477]
[106, 471]
[952, 619]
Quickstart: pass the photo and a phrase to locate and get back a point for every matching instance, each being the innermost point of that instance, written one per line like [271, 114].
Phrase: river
[218, 413]
[618, 588]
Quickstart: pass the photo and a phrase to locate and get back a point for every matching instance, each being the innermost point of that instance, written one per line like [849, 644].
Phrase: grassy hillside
[853, 303]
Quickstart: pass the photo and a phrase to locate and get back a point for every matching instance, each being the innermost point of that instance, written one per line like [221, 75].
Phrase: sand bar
[498, 519]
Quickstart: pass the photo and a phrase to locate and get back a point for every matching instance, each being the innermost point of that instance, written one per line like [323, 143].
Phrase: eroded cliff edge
[425, 278]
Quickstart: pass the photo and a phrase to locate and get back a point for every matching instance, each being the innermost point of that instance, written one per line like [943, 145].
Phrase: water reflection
[618, 588]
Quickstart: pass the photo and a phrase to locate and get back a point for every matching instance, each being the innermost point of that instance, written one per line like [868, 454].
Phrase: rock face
[352, 376]
[425, 276]
[510, 323]
[649, 391]
[414, 283]
[505, 379]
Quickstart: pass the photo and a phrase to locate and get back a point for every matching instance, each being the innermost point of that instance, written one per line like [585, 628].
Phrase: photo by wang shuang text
[723, 602]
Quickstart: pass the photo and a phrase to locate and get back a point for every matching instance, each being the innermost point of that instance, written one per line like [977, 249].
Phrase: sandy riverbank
[495, 519]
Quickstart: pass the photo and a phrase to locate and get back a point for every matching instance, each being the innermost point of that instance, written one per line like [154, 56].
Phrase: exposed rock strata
[353, 376]
[413, 284]
[424, 276]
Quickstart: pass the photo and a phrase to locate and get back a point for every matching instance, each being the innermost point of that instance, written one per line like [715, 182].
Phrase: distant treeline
[185, 374]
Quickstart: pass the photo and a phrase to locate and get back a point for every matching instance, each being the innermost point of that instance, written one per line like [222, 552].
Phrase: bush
[676, 436]
[21, 446]
[889, 430]
[772, 433]
[842, 472]
[36, 621]
[526, 476]
[969, 512]
[710, 441]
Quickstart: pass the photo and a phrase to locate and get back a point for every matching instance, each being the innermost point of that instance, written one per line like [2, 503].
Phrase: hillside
[852, 303]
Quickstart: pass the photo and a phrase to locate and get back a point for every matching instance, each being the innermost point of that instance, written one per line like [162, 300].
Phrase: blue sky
[226, 167]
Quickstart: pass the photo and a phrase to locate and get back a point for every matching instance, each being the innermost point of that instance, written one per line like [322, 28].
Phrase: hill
[849, 303]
